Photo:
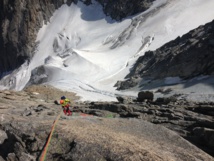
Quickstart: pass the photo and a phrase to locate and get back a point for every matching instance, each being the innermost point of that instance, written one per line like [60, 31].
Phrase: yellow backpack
[64, 102]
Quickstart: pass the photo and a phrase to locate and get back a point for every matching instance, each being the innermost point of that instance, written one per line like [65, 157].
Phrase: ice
[84, 51]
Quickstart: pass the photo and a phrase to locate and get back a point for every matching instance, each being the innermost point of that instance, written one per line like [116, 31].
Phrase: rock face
[26, 118]
[190, 120]
[119, 9]
[185, 57]
[145, 95]
[20, 21]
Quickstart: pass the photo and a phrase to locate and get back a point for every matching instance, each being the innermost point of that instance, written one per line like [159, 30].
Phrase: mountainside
[20, 22]
[186, 57]
[80, 49]
[83, 50]
[104, 131]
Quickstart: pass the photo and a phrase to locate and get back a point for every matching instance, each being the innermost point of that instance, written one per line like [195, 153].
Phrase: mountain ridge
[21, 20]
[186, 57]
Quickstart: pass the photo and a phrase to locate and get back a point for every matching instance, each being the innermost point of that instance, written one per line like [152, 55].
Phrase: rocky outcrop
[190, 120]
[20, 21]
[186, 57]
[145, 96]
[120, 9]
[26, 118]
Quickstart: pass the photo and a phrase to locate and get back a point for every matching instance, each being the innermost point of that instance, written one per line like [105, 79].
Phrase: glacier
[86, 52]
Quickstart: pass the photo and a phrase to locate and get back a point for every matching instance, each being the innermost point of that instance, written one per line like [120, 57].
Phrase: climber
[65, 105]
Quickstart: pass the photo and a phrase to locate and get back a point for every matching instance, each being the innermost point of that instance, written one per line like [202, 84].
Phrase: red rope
[43, 156]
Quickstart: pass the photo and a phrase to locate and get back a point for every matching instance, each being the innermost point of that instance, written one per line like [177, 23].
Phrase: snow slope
[83, 51]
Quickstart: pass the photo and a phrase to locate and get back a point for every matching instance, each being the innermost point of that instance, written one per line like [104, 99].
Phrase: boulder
[145, 95]
[11, 157]
[124, 99]
[205, 136]
[27, 157]
[165, 100]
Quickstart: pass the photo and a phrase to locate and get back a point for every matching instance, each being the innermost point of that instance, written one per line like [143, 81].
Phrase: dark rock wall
[20, 21]
[119, 9]
[187, 56]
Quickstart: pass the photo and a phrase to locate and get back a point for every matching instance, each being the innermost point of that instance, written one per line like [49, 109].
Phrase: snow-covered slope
[83, 51]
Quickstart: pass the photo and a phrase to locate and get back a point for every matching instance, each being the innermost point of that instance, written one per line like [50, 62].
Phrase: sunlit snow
[85, 52]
